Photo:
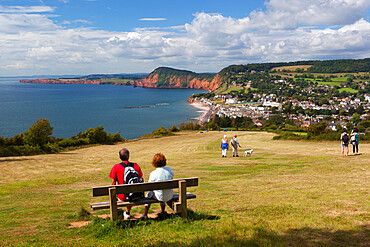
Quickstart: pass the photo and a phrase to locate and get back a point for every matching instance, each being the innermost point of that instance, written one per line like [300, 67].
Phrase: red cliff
[152, 81]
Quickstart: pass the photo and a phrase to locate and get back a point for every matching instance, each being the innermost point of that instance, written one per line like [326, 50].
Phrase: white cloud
[15, 23]
[31, 43]
[152, 19]
[22, 9]
[288, 14]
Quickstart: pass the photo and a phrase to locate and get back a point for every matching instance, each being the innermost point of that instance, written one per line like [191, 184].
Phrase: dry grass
[292, 68]
[288, 193]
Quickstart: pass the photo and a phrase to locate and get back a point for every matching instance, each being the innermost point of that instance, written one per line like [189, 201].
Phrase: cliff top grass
[288, 193]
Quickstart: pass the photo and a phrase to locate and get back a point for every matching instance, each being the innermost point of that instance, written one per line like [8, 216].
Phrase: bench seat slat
[105, 205]
[141, 187]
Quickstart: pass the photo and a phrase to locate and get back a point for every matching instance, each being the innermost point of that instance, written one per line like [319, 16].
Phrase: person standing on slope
[224, 146]
[344, 141]
[355, 139]
[235, 144]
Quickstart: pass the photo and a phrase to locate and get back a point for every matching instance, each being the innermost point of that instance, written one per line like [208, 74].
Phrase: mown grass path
[287, 193]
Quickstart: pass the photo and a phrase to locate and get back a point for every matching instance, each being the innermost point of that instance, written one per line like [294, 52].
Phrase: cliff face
[173, 79]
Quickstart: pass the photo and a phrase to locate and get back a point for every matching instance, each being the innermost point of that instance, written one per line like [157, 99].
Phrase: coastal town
[336, 111]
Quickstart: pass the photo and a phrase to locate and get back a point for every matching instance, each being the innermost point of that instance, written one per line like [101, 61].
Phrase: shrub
[73, 142]
[116, 137]
[158, 132]
[189, 126]
[99, 136]
[95, 135]
[173, 129]
[161, 132]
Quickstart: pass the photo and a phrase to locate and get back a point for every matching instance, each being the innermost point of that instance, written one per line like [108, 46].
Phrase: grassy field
[292, 68]
[116, 80]
[330, 83]
[350, 90]
[287, 194]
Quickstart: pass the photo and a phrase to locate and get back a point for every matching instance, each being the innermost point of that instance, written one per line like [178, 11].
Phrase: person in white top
[161, 173]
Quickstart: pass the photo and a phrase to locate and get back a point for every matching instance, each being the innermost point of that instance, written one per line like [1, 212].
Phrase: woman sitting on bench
[161, 173]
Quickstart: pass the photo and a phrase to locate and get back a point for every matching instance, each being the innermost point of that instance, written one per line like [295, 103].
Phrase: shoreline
[205, 111]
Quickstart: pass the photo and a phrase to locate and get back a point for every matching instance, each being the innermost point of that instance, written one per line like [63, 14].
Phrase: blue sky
[118, 36]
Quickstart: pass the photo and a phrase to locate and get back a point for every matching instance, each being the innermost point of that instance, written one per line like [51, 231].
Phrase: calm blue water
[74, 108]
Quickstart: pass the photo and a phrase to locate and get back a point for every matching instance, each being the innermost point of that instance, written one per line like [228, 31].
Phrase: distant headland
[164, 77]
[160, 78]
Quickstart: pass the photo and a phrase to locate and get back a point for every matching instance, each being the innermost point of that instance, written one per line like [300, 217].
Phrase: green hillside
[326, 66]
[165, 74]
[289, 193]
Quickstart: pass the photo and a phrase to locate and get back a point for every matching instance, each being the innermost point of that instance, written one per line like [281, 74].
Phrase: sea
[74, 108]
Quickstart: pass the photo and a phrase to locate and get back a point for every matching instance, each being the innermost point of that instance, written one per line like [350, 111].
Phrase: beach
[206, 111]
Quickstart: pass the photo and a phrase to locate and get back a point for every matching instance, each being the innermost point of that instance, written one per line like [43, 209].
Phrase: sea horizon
[74, 108]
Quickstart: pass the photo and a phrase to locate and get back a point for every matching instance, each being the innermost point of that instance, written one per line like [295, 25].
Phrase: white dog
[248, 152]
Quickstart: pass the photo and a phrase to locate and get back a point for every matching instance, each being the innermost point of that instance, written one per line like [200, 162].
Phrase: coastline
[205, 111]
[77, 104]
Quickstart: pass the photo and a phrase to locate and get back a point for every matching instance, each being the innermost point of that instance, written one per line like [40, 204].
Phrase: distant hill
[164, 77]
[327, 66]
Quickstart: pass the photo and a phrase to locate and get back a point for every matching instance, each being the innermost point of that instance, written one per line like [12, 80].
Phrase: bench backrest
[141, 187]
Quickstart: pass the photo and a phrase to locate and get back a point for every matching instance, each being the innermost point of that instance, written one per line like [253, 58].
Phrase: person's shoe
[233, 155]
[144, 217]
[126, 215]
[237, 156]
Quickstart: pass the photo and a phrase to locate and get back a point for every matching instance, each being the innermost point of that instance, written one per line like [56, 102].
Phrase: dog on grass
[248, 152]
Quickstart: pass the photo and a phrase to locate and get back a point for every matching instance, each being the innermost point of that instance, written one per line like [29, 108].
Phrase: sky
[80, 37]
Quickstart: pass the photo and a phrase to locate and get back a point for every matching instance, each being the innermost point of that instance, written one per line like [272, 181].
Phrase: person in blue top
[355, 140]
[224, 146]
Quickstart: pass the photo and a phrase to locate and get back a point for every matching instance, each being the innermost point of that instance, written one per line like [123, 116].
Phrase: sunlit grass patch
[287, 194]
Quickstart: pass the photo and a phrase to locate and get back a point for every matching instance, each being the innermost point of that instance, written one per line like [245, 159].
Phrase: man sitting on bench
[161, 173]
[117, 175]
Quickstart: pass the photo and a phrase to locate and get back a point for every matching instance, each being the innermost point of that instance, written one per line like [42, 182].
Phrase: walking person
[224, 146]
[235, 144]
[355, 139]
[344, 142]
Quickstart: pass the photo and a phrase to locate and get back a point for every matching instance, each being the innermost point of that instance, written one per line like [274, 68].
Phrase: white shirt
[161, 174]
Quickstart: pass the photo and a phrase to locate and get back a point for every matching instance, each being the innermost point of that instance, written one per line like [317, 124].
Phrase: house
[333, 126]
[367, 97]
[259, 123]
[231, 101]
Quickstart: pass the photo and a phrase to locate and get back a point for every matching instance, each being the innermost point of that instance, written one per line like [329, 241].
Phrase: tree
[318, 128]
[39, 133]
[356, 118]
[277, 120]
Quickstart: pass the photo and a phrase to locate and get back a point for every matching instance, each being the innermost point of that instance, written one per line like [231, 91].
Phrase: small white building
[231, 101]
[367, 97]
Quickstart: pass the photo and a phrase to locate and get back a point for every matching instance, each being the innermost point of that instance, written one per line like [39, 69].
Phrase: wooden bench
[178, 202]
